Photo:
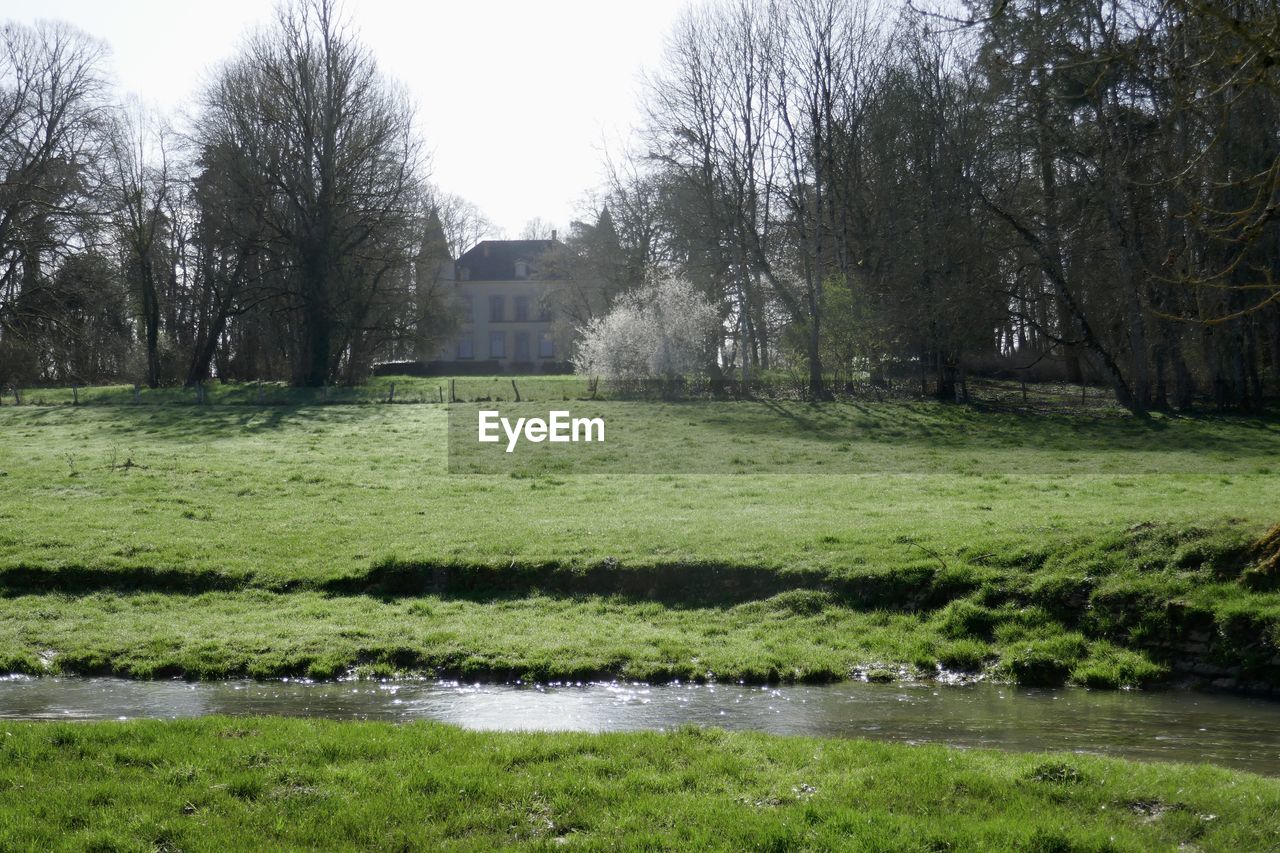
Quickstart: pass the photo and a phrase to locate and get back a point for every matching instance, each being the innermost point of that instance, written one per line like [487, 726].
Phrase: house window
[466, 347]
[495, 309]
[522, 346]
[497, 345]
[546, 346]
[544, 310]
[468, 309]
[522, 309]
[522, 269]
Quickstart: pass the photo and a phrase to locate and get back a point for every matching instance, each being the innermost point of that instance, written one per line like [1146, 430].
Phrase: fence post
[453, 390]
[517, 390]
[75, 395]
[137, 393]
[391, 395]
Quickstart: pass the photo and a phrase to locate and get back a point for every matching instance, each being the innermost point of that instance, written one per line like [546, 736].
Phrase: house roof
[495, 260]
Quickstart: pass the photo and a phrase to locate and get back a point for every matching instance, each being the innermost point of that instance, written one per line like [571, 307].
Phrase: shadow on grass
[682, 585]
[980, 427]
[199, 423]
[37, 580]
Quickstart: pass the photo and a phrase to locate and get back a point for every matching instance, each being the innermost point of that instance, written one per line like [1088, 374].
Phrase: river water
[1176, 725]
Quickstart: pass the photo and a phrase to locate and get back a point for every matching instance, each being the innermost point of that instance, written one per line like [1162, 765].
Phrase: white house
[504, 308]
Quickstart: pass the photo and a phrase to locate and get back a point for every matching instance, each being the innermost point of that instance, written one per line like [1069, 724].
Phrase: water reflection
[1177, 725]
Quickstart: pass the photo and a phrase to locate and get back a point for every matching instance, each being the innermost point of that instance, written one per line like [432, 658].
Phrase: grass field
[768, 541]
[231, 784]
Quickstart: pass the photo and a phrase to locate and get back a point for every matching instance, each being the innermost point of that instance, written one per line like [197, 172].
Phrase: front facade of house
[504, 308]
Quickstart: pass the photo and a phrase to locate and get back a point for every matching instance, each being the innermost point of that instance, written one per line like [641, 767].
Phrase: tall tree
[141, 185]
[53, 110]
[333, 178]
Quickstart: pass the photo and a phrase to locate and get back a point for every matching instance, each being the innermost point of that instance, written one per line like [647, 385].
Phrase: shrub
[665, 330]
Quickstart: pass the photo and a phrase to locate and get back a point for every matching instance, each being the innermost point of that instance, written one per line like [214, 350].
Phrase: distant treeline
[1083, 190]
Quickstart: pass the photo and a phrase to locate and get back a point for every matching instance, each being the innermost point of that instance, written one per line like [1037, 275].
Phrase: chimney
[553, 234]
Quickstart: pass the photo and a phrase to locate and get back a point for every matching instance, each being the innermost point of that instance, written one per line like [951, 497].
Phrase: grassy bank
[232, 784]
[774, 541]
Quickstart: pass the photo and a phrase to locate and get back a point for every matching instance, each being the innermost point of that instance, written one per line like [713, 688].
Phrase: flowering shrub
[664, 330]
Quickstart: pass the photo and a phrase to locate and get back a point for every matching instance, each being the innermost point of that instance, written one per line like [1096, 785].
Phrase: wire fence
[978, 391]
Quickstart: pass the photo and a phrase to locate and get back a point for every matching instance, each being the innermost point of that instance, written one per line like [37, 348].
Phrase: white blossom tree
[665, 329]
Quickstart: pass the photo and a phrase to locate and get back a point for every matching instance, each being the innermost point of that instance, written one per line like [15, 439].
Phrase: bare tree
[537, 228]
[52, 113]
[462, 222]
[332, 177]
[141, 184]
[754, 117]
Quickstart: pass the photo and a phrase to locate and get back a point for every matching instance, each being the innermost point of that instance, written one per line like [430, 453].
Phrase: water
[1232, 731]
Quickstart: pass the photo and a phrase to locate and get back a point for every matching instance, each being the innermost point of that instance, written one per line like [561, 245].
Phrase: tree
[141, 184]
[331, 179]
[463, 224]
[53, 110]
[756, 121]
[925, 285]
[588, 271]
[663, 330]
[538, 229]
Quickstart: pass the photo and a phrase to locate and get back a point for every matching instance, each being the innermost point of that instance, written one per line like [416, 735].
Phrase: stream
[1175, 725]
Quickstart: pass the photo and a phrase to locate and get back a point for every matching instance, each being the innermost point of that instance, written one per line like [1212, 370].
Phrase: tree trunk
[203, 356]
[312, 370]
[150, 319]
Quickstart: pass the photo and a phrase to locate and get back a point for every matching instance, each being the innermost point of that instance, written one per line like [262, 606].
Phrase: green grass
[774, 540]
[801, 636]
[283, 494]
[219, 783]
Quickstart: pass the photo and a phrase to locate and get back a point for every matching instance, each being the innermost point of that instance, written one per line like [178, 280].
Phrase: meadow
[751, 540]
[249, 783]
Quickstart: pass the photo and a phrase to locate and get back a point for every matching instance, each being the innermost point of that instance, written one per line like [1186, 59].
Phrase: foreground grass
[220, 783]
[773, 540]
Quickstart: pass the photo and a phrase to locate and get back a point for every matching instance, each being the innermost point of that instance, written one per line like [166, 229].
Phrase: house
[504, 308]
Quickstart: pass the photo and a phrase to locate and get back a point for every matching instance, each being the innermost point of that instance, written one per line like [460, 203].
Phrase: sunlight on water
[1175, 726]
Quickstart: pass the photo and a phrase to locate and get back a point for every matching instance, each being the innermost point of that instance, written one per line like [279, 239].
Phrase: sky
[517, 101]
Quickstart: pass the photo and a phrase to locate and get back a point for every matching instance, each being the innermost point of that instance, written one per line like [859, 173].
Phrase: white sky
[516, 100]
